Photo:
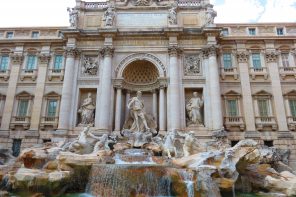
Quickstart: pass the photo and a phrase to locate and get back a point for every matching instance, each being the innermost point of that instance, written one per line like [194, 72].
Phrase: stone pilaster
[162, 112]
[279, 110]
[104, 98]
[214, 89]
[243, 59]
[174, 89]
[39, 91]
[67, 92]
[16, 61]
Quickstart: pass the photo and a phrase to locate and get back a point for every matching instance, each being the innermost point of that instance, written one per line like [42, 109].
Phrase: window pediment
[262, 94]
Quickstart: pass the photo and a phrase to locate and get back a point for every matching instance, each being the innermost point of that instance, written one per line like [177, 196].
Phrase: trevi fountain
[141, 108]
[139, 161]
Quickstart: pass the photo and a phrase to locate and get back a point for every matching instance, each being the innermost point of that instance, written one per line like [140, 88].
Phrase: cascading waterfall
[129, 180]
[188, 178]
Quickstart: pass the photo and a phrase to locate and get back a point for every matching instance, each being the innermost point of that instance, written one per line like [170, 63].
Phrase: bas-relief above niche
[90, 65]
[192, 65]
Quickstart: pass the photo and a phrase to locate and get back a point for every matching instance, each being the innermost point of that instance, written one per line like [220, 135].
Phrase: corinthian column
[272, 58]
[242, 59]
[103, 109]
[214, 90]
[67, 91]
[174, 89]
[16, 62]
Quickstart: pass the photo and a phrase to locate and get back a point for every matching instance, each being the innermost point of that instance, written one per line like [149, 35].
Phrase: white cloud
[245, 11]
[238, 11]
[279, 11]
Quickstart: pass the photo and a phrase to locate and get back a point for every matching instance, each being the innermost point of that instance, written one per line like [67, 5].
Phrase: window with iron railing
[256, 60]
[31, 63]
[22, 108]
[58, 63]
[292, 105]
[227, 61]
[232, 108]
[4, 62]
[285, 60]
[51, 108]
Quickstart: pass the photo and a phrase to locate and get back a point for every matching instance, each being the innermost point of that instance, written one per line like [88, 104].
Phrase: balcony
[23, 121]
[56, 73]
[229, 72]
[292, 123]
[287, 71]
[254, 72]
[266, 123]
[234, 122]
[29, 73]
[48, 121]
[5, 74]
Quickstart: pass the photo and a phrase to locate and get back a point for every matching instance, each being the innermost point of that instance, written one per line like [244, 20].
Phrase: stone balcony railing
[23, 121]
[94, 5]
[291, 123]
[56, 73]
[234, 122]
[29, 73]
[5, 74]
[254, 72]
[229, 72]
[287, 71]
[266, 122]
[48, 121]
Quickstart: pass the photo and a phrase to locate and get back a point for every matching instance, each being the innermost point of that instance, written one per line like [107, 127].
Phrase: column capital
[209, 51]
[118, 83]
[242, 56]
[174, 50]
[16, 58]
[163, 83]
[44, 58]
[107, 51]
[271, 56]
[72, 52]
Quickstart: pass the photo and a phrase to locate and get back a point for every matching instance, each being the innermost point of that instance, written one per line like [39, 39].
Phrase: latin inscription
[141, 19]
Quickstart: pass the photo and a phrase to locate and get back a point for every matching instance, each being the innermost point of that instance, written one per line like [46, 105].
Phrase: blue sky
[53, 12]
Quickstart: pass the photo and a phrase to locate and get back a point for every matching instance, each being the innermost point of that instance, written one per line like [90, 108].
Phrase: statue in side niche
[193, 108]
[87, 111]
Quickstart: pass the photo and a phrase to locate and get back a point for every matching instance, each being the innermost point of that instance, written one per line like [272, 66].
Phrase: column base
[32, 133]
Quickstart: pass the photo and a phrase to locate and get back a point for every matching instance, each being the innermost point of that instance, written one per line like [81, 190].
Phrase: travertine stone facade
[244, 73]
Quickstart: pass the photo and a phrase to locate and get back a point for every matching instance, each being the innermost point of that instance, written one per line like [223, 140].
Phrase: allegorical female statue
[193, 108]
[87, 111]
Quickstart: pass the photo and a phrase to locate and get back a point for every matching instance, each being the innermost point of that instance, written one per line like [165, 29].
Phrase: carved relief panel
[90, 66]
[192, 65]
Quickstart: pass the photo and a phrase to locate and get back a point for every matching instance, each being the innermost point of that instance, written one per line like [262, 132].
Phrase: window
[234, 142]
[227, 62]
[58, 62]
[292, 105]
[9, 35]
[31, 62]
[268, 143]
[35, 34]
[4, 61]
[252, 31]
[51, 108]
[225, 32]
[16, 147]
[279, 31]
[22, 108]
[285, 59]
[263, 107]
[256, 60]
[232, 108]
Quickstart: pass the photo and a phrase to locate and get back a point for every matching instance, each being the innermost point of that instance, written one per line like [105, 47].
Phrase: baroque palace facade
[55, 80]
